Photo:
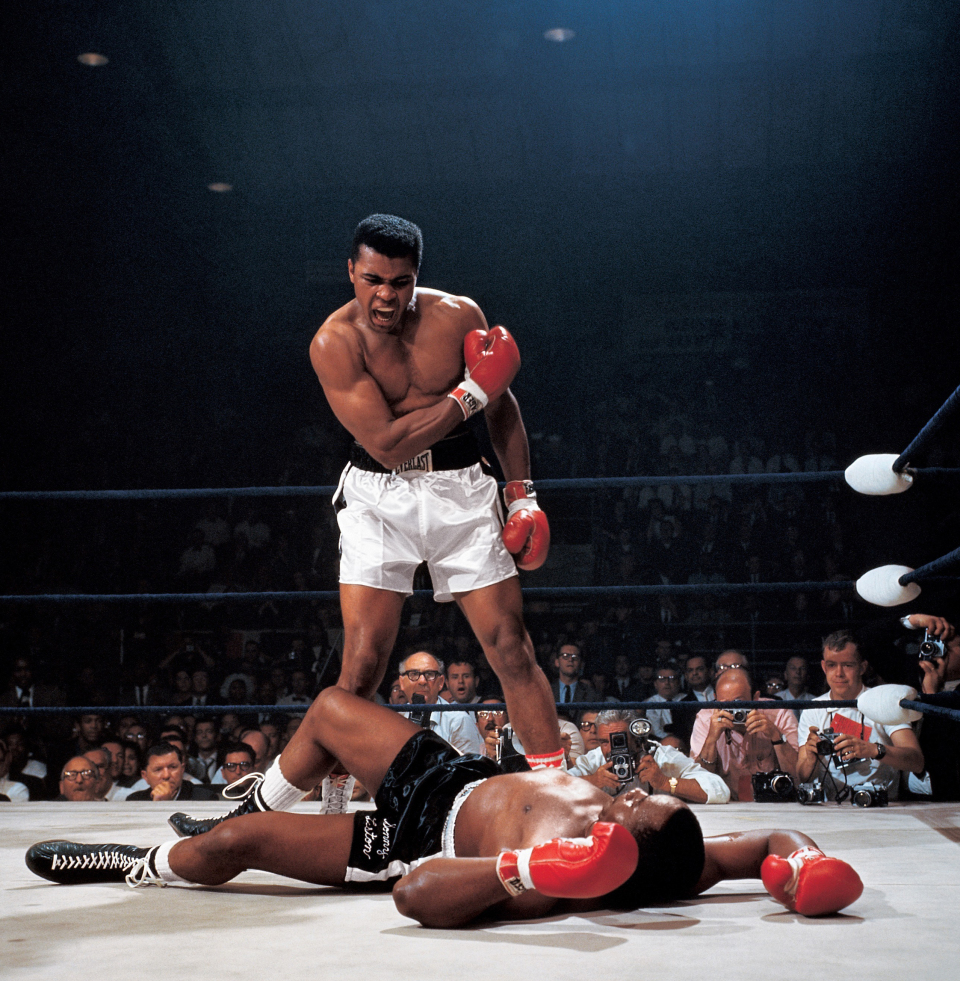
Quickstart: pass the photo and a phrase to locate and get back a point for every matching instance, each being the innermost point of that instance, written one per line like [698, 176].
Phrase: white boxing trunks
[450, 519]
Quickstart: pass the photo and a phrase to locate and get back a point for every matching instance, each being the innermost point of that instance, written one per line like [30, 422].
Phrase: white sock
[161, 861]
[277, 792]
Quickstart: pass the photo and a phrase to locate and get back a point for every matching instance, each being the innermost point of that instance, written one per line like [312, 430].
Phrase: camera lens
[863, 798]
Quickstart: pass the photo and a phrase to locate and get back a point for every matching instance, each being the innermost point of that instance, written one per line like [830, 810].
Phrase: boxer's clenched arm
[450, 892]
[357, 401]
[508, 436]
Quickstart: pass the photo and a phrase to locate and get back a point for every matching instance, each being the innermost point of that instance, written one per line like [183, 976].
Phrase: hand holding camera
[727, 720]
[649, 772]
[759, 723]
[843, 747]
[605, 780]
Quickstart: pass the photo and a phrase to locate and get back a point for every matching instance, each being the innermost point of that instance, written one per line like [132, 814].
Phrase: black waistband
[455, 452]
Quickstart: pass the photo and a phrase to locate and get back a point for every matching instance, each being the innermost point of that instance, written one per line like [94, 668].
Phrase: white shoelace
[93, 860]
[140, 874]
[242, 788]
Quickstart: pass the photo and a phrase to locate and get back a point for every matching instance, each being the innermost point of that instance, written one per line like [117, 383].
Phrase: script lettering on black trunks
[371, 834]
[385, 847]
[422, 462]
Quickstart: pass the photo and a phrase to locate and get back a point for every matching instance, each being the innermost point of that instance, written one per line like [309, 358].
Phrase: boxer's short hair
[670, 863]
[396, 238]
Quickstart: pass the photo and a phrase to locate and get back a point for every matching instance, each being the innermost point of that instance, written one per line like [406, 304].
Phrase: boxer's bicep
[352, 393]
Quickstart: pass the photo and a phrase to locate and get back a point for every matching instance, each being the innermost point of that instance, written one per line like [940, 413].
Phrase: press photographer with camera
[844, 750]
[738, 744]
[939, 665]
[624, 761]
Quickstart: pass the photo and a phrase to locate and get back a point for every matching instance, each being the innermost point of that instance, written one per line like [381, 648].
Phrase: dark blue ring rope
[450, 707]
[926, 572]
[923, 438]
[573, 483]
[766, 704]
[531, 593]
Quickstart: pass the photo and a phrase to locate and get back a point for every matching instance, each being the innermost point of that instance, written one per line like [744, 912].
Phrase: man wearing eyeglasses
[238, 759]
[727, 660]
[667, 684]
[569, 687]
[489, 724]
[588, 729]
[78, 779]
[102, 759]
[422, 674]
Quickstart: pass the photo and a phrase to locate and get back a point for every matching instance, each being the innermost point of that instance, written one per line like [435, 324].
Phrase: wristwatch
[881, 750]
[777, 742]
[673, 785]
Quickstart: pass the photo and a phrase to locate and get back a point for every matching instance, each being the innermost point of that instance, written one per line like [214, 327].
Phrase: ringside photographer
[629, 756]
[744, 745]
[845, 753]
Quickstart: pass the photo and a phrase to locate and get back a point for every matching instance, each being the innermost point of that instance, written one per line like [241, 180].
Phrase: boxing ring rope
[530, 592]
[566, 483]
[927, 705]
[923, 439]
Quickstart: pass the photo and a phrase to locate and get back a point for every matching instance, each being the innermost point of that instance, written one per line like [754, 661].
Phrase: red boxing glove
[810, 882]
[527, 531]
[572, 868]
[492, 360]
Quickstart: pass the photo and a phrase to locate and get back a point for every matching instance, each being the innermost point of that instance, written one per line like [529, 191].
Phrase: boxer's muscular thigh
[364, 736]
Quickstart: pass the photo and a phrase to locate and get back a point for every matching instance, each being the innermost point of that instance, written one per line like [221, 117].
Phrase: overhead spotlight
[92, 59]
[558, 34]
[219, 187]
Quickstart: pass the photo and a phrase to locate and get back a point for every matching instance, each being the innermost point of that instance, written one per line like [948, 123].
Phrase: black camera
[773, 787]
[869, 795]
[620, 757]
[825, 742]
[811, 793]
[931, 648]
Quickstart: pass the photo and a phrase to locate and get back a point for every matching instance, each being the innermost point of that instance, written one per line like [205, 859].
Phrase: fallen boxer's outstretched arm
[793, 869]
[450, 892]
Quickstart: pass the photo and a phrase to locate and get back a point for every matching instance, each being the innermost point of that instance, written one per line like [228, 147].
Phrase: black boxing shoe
[246, 790]
[70, 863]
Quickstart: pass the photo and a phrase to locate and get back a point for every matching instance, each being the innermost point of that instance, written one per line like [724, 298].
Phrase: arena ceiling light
[92, 59]
[559, 34]
[220, 187]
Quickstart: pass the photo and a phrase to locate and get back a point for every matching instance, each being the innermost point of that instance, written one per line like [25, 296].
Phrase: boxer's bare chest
[417, 366]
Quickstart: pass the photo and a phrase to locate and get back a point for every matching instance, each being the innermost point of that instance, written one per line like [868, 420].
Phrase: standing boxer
[403, 367]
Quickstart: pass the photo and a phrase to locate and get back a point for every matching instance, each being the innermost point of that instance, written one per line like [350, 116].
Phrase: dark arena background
[724, 234]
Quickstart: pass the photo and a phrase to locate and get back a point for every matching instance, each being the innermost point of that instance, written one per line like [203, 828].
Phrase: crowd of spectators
[236, 708]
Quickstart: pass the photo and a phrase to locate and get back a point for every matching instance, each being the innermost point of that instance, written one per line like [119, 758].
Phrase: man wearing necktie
[569, 687]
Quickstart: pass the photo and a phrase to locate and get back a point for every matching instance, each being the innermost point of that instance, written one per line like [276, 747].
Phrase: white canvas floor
[265, 927]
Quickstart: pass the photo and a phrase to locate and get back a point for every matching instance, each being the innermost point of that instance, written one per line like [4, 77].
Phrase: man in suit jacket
[163, 773]
[23, 691]
[624, 687]
[569, 687]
